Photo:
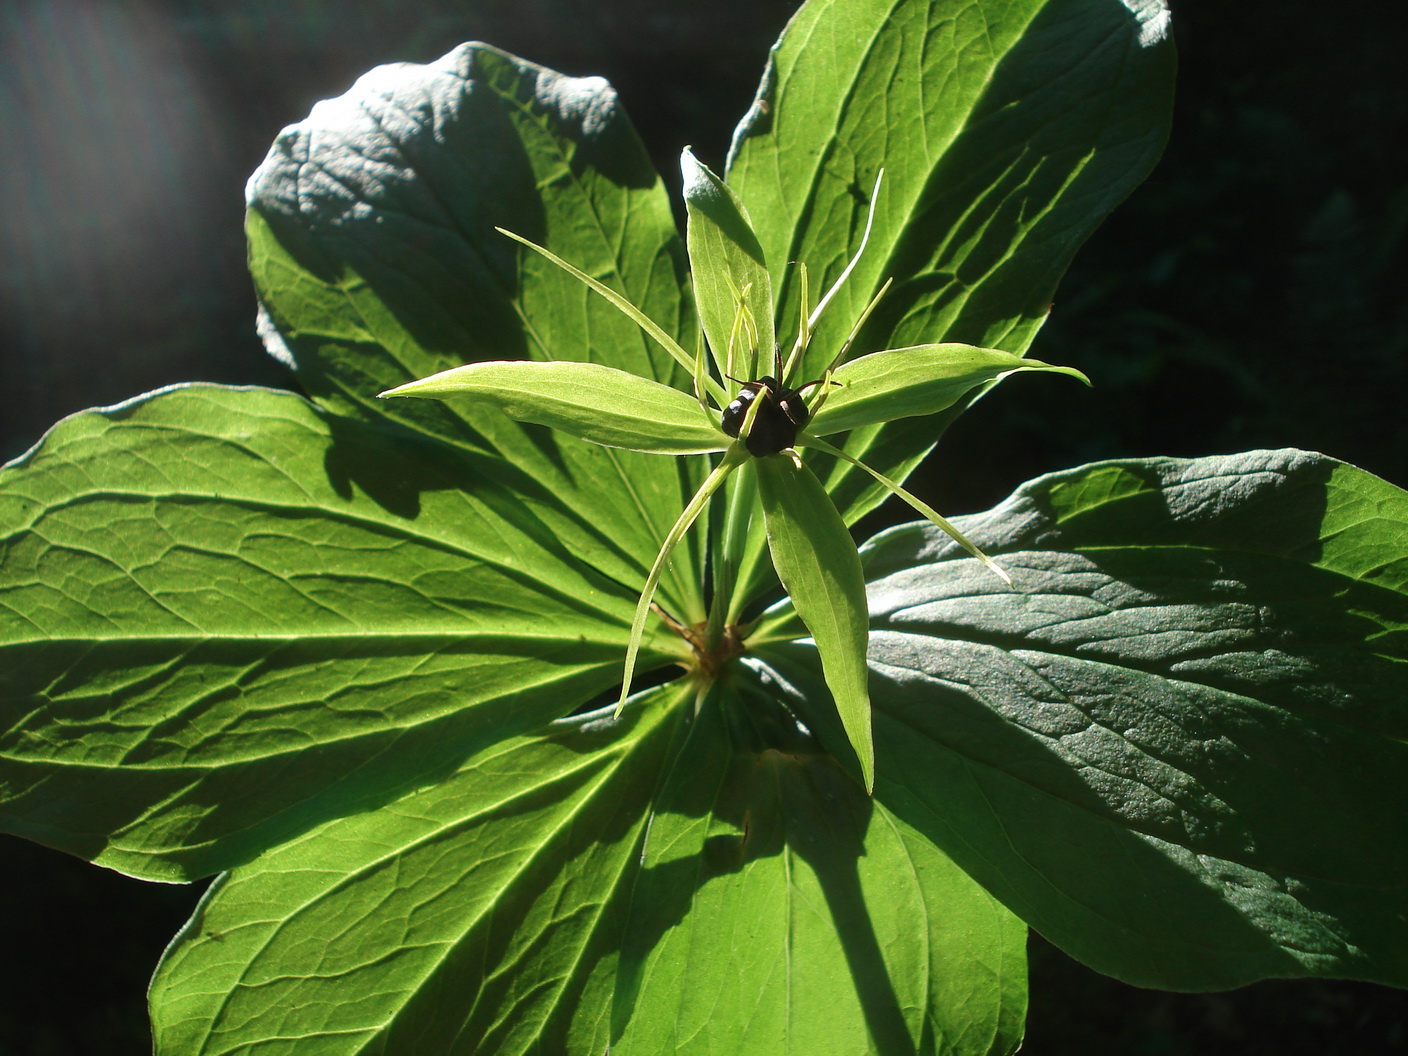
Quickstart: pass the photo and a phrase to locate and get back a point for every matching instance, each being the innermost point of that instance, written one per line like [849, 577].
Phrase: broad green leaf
[817, 921]
[227, 616]
[997, 168]
[729, 271]
[1178, 749]
[375, 255]
[599, 404]
[479, 914]
[817, 563]
[904, 382]
[504, 910]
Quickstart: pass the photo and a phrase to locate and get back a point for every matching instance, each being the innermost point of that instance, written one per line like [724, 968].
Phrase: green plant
[340, 648]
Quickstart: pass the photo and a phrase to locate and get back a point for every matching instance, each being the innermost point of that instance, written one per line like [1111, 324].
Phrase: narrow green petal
[817, 562]
[597, 403]
[733, 458]
[649, 325]
[920, 505]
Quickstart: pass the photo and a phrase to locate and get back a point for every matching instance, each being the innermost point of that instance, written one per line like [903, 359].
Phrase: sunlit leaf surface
[997, 167]
[345, 650]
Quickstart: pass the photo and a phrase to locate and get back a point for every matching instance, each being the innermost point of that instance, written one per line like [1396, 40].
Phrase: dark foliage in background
[1249, 295]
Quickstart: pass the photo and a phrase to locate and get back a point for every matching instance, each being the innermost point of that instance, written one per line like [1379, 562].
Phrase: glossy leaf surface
[374, 251]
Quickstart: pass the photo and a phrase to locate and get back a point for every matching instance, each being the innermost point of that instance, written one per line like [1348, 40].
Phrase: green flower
[754, 410]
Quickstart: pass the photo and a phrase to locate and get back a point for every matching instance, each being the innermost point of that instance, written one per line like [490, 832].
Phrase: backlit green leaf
[816, 918]
[226, 616]
[520, 892]
[374, 251]
[479, 914]
[997, 169]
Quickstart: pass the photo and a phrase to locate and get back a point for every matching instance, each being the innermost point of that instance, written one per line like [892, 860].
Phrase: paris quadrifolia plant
[757, 421]
[559, 712]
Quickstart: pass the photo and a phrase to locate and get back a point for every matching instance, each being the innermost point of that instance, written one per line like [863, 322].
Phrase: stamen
[869, 222]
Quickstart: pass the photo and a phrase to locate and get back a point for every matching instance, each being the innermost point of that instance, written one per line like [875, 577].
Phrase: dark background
[1251, 294]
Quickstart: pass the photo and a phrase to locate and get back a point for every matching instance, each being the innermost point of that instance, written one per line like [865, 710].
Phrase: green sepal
[817, 562]
[727, 265]
[597, 403]
[909, 382]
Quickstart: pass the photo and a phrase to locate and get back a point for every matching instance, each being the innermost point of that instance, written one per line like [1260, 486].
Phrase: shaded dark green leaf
[1177, 749]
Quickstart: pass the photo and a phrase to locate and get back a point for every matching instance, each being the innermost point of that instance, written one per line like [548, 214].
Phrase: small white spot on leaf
[588, 101]
[1153, 17]
[274, 343]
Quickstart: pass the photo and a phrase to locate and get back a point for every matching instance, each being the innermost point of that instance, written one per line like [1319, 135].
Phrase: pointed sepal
[817, 562]
[730, 274]
[908, 382]
[597, 403]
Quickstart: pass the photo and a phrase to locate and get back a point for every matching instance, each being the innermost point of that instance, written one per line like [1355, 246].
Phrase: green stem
[753, 568]
[733, 458]
[728, 553]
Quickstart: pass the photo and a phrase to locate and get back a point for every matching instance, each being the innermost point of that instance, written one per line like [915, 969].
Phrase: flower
[753, 420]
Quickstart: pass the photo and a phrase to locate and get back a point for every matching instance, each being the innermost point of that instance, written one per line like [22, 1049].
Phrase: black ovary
[782, 413]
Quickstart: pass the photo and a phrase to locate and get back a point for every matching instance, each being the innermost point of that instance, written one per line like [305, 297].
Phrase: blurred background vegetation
[1250, 294]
